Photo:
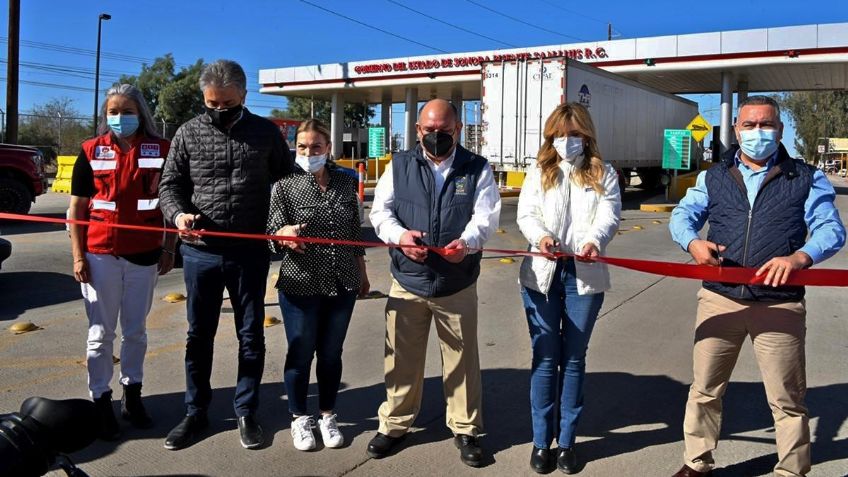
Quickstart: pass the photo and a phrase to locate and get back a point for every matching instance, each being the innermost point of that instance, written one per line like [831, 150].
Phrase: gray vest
[442, 215]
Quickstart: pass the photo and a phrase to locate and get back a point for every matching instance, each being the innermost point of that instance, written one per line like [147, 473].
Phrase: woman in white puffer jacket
[570, 202]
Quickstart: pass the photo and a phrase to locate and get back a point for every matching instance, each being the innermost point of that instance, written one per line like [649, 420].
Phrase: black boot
[132, 409]
[109, 429]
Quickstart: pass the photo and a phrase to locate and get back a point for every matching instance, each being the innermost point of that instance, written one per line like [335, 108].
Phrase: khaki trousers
[777, 331]
[408, 319]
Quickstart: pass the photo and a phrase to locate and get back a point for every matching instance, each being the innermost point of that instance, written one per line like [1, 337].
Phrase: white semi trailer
[518, 97]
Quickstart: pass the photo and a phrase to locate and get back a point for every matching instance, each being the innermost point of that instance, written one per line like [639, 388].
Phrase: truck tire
[15, 198]
[650, 178]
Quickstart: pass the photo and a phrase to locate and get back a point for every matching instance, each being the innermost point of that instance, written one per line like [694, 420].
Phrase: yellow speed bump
[657, 207]
[501, 231]
[174, 297]
[23, 327]
[507, 260]
[638, 227]
[656, 221]
[271, 321]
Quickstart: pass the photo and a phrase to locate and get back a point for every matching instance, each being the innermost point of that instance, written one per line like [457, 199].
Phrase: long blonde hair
[591, 171]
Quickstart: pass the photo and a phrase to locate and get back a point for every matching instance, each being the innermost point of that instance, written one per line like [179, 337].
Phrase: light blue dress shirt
[826, 231]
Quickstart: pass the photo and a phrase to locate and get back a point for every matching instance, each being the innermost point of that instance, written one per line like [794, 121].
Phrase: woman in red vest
[116, 181]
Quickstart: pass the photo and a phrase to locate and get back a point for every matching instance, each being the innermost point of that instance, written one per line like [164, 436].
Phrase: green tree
[173, 96]
[56, 124]
[816, 114]
[355, 115]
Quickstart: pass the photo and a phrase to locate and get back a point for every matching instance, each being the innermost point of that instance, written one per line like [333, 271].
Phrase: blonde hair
[314, 125]
[591, 171]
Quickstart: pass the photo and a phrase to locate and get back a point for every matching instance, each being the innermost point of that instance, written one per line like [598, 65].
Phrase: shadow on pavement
[17, 227]
[623, 413]
[21, 291]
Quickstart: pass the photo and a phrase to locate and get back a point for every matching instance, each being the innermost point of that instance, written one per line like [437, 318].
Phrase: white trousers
[116, 288]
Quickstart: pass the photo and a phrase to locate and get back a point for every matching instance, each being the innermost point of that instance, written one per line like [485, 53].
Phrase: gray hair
[760, 100]
[145, 120]
[223, 73]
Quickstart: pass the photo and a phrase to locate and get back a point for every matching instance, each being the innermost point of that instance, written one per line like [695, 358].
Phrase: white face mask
[570, 148]
[311, 164]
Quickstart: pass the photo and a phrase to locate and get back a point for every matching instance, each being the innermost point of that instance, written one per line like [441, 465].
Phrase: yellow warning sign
[700, 128]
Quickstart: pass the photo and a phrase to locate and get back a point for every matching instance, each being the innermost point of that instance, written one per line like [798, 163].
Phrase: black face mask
[224, 117]
[437, 143]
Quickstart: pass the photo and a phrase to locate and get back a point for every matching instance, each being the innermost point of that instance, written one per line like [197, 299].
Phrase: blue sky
[59, 37]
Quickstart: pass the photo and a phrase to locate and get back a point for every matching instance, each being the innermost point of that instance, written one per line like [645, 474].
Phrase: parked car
[22, 177]
[5, 250]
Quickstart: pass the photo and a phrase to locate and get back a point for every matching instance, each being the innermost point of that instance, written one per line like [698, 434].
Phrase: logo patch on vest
[460, 186]
[104, 152]
[150, 150]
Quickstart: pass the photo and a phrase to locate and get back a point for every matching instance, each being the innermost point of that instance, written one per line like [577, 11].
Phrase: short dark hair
[758, 101]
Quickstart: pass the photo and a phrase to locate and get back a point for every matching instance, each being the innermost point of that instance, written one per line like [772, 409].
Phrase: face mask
[124, 125]
[758, 144]
[224, 117]
[437, 143]
[570, 148]
[311, 164]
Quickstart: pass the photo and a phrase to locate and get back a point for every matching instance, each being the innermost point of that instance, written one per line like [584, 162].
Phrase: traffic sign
[376, 142]
[699, 127]
[677, 145]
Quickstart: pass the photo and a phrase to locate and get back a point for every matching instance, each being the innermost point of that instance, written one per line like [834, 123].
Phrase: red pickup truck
[22, 178]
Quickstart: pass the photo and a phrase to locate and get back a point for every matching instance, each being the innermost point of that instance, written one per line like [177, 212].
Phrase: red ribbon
[738, 275]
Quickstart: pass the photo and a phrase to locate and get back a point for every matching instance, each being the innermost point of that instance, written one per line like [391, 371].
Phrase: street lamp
[103, 16]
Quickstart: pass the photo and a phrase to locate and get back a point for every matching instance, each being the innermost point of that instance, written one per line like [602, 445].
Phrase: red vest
[126, 191]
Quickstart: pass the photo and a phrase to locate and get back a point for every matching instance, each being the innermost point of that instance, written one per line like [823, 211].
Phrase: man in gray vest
[441, 195]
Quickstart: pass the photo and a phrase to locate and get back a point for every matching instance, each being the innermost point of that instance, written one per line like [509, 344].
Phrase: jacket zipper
[745, 250]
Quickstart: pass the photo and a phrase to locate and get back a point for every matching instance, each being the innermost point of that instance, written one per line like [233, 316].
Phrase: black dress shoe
[108, 428]
[250, 432]
[541, 460]
[469, 449]
[186, 431]
[567, 460]
[687, 471]
[381, 445]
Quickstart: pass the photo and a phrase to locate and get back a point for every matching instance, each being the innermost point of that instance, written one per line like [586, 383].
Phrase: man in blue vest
[440, 195]
[760, 204]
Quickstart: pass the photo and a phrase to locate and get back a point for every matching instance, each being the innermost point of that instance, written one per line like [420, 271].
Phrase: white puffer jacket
[575, 216]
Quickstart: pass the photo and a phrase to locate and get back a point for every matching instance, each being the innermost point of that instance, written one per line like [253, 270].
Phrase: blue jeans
[243, 272]
[316, 325]
[560, 325]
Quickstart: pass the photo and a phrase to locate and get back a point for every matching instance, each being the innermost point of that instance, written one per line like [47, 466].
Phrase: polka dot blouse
[334, 213]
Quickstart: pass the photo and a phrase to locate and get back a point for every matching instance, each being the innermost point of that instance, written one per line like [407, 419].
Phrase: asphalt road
[639, 368]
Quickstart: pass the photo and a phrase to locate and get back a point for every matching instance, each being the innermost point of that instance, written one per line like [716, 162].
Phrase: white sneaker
[330, 433]
[301, 431]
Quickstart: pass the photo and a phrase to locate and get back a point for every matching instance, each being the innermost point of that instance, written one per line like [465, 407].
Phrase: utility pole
[609, 31]
[12, 72]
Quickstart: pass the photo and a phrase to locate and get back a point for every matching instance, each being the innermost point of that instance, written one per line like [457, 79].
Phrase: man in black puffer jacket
[217, 177]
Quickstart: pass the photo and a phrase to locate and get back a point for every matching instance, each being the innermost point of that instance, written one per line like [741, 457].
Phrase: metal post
[11, 133]
[103, 16]
[726, 111]
[386, 118]
[59, 152]
[337, 124]
[410, 117]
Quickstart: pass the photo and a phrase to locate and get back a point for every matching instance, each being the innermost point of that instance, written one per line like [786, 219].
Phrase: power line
[372, 27]
[451, 24]
[53, 85]
[573, 12]
[520, 21]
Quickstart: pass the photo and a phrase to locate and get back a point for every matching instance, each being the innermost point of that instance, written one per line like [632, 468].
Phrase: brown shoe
[687, 471]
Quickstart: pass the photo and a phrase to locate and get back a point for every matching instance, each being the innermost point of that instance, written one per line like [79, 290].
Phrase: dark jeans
[243, 272]
[316, 325]
[560, 325]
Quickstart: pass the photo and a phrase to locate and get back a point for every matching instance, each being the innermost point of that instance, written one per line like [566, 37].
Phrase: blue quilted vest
[443, 215]
[773, 227]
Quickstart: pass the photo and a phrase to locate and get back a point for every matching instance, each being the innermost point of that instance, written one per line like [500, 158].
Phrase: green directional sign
[677, 145]
[376, 142]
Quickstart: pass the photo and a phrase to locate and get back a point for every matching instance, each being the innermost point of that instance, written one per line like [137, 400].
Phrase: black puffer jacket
[224, 174]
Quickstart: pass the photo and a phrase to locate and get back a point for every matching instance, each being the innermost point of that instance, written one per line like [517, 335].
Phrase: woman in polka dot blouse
[318, 284]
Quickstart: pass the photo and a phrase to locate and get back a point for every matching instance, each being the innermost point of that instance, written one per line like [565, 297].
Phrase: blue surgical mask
[758, 144]
[570, 148]
[311, 164]
[123, 125]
